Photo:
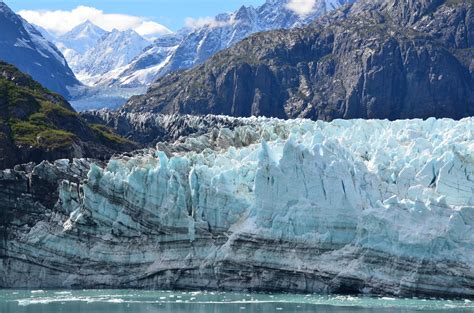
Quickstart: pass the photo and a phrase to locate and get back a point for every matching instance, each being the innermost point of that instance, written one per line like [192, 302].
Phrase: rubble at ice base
[373, 207]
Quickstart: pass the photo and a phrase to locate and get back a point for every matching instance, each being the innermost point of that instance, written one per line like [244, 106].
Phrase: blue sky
[170, 13]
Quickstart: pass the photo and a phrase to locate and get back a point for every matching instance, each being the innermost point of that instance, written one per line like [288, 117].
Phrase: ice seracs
[348, 206]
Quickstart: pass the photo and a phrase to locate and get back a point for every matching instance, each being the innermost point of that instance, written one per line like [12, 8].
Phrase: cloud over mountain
[301, 7]
[53, 21]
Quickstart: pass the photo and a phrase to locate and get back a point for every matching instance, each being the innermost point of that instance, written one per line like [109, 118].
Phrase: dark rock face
[29, 193]
[148, 129]
[193, 46]
[23, 46]
[37, 125]
[374, 59]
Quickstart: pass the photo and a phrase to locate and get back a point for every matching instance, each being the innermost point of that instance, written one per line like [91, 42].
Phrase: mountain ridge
[354, 63]
[112, 50]
[25, 47]
[198, 44]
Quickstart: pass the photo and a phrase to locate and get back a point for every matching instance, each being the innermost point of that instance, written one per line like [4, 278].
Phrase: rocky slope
[196, 44]
[375, 59]
[23, 46]
[372, 207]
[37, 125]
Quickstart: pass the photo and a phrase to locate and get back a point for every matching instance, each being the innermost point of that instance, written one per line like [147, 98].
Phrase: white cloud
[206, 21]
[301, 7]
[151, 28]
[60, 22]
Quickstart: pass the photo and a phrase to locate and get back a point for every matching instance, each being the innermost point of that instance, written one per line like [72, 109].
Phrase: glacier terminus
[371, 207]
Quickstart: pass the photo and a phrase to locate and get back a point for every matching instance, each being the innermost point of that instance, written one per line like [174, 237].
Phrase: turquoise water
[118, 301]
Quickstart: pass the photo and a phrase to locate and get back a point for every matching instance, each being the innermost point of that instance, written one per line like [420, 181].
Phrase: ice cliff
[373, 207]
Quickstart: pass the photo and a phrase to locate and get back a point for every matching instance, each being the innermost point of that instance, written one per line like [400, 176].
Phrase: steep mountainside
[22, 45]
[375, 59]
[352, 207]
[113, 50]
[46, 34]
[37, 125]
[203, 41]
[146, 66]
[78, 41]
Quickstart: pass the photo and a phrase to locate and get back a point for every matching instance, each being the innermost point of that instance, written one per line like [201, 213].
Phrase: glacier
[372, 207]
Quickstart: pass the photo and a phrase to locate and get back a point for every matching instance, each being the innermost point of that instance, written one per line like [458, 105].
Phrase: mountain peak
[89, 26]
[111, 51]
[89, 23]
[244, 12]
[201, 42]
[82, 37]
[115, 33]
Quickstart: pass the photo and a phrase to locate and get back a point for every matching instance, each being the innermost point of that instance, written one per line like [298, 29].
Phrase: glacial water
[118, 301]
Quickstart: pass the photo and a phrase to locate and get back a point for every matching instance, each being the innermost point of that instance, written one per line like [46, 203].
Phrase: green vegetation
[30, 115]
[39, 129]
[107, 136]
[40, 136]
[54, 109]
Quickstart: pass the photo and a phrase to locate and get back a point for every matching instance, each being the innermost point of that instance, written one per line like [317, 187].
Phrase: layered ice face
[399, 187]
[360, 206]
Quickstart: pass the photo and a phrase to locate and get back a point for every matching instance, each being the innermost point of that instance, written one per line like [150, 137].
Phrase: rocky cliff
[372, 207]
[195, 44]
[373, 59]
[37, 125]
[24, 46]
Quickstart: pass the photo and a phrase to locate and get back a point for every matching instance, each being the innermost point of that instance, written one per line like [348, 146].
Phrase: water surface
[118, 301]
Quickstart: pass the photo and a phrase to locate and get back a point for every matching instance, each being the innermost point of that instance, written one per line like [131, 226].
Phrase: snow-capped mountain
[91, 51]
[45, 33]
[82, 37]
[78, 41]
[22, 45]
[148, 65]
[113, 50]
[201, 42]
